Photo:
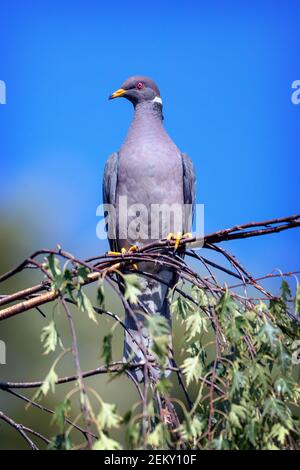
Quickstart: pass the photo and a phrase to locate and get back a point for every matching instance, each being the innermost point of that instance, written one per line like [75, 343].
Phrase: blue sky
[225, 71]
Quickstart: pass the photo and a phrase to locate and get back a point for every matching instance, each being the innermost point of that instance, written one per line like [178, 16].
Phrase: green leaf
[269, 332]
[181, 307]
[108, 417]
[220, 443]
[53, 266]
[195, 324]
[61, 412]
[239, 378]
[82, 274]
[192, 427]
[100, 294]
[127, 416]
[277, 308]
[159, 330]
[132, 288]
[67, 282]
[286, 293]
[236, 414]
[192, 369]
[60, 442]
[48, 384]
[107, 348]
[283, 387]
[164, 386]
[226, 307]
[157, 325]
[275, 408]
[158, 437]
[106, 443]
[133, 434]
[279, 432]
[160, 347]
[84, 304]
[251, 431]
[49, 337]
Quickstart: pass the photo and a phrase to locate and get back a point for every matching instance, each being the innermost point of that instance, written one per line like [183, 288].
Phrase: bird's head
[138, 89]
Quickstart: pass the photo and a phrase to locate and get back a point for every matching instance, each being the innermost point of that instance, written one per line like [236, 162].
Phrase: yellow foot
[123, 251]
[117, 253]
[133, 248]
[178, 237]
[170, 236]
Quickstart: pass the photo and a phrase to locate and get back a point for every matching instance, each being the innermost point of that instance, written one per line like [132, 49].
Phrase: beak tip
[116, 94]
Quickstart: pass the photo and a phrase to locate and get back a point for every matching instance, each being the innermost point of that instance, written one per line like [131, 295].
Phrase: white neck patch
[157, 99]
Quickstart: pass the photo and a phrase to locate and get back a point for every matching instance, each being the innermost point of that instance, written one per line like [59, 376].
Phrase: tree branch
[109, 264]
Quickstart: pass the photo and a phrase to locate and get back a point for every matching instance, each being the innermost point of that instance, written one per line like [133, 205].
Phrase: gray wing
[189, 190]
[109, 188]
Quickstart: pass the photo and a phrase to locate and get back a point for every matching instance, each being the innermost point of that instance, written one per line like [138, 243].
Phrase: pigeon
[150, 184]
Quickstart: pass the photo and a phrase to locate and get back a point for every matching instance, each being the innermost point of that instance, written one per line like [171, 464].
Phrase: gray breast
[150, 177]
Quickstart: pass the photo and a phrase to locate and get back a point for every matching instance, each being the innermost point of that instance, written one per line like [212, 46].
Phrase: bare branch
[20, 429]
[109, 264]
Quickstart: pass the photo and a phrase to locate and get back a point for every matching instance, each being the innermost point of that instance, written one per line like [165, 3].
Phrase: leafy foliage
[132, 288]
[236, 360]
[253, 389]
[238, 363]
[49, 337]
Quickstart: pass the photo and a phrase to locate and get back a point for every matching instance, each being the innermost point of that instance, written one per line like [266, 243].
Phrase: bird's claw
[117, 253]
[133, 248]
[178, 237]
[123, 252]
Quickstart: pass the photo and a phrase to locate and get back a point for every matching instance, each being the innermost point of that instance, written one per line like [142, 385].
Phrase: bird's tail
[138, 343]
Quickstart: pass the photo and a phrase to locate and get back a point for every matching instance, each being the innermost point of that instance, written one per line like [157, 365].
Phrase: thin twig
[83, 395]
[20, 429]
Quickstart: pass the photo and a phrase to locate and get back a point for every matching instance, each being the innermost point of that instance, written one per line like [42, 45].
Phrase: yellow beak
[116, 94]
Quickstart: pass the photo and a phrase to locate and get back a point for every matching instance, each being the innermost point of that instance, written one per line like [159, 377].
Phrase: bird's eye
[140, 85]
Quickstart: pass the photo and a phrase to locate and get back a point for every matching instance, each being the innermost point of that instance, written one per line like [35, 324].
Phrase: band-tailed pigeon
[151, 172]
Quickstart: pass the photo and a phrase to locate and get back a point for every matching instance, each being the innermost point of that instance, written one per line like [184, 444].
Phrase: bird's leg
[178, 237]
